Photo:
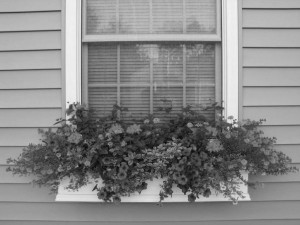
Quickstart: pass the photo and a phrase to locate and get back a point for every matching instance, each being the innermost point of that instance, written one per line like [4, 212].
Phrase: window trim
[230, 91]
[230, 58]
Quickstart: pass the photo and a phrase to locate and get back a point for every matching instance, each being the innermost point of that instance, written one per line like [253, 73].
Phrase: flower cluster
[197, 155]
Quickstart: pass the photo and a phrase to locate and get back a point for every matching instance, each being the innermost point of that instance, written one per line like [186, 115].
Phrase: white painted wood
[260, 4]
[230, 57]
[73, 51]
[151, 194]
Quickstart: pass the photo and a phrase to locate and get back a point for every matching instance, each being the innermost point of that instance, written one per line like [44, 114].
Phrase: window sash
[203, 37]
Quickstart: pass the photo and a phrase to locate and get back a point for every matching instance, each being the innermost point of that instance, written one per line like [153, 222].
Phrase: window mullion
[151, 80]
[184, 75]
[119, 77]
[151, 16]
[117, 16]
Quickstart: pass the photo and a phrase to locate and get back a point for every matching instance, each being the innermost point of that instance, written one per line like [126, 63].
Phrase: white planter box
[151, 194]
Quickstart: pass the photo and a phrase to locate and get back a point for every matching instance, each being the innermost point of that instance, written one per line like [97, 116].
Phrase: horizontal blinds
[146, 78]
[151, 16]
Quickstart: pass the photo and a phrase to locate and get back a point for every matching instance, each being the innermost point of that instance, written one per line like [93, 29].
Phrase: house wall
[31, 97]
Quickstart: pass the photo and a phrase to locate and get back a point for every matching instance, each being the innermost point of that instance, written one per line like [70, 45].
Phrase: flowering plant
[196, 155]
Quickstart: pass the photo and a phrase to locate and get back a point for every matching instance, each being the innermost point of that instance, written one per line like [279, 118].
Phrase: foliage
[190, 152]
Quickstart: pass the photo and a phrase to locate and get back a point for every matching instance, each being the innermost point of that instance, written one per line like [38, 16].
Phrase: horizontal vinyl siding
[270, 89]
[31, 67]
[29, 5]
[144, 213]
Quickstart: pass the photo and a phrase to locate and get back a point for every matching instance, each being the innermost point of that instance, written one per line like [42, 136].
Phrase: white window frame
[230, 90]
[230, 58]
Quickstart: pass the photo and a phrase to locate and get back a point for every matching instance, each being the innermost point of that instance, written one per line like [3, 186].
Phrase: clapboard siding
[213, 222]
[284, 134]
[293, 151]
[19, 60]
[275, 115]
[7, 152]
[29, 117]
[30, 21]
[29, 5]
[143, 213]
[18, 136]
[271, 77]
[274, 18]
[271, 37]
[271, 4]
[30, 79]
[270, 191]
[39, 98]
[30, 40]
[266, 57]
[271, 96]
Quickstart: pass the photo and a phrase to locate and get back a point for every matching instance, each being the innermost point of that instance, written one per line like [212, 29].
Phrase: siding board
[29, 5]
[30, 98]
[271, 77]
[274, 115]
[149, 212]
[29, 117]
[30, 79]
[284, 134]
[271, 96]
[7, 152]
[30, 40]
[260, 4]
[293, 151]
[30, 60]
[213, 222]
[9, 178]
[30, 21]
[18, 136]
[275, 18]
[271, 37]
[265, 57]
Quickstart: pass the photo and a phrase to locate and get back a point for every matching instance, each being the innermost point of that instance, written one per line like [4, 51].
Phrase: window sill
[151, 194]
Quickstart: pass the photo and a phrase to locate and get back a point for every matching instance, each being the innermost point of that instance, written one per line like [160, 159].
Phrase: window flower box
[151, 194]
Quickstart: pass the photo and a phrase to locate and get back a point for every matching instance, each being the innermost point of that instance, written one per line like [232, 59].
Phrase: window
[145, 54]
[155, 53]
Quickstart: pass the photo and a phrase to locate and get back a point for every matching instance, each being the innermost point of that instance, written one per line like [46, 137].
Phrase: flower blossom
[75, 138]
[146, 121]
[134, 129]
[156, 120]
[214, 145]
[189, 125]
[116, 129]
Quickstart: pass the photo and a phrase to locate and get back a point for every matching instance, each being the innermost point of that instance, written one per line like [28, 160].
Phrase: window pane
[102, 63]
[134, 16]
[151, 16]
[169, 75]
[101, 17]
[102, 100]
[168, 63]
[137, 100]
[135, 63]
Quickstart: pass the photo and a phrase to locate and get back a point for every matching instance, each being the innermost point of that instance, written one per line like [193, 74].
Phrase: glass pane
[102, 63]
[151, 16]
[200, 64]
[135, 63]
[101, 17]
[199, 97]
[201, 16]
[137, 100]
[134, 16]
[167, 16]
[102, 100]
[166, 98]
[168, 63]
